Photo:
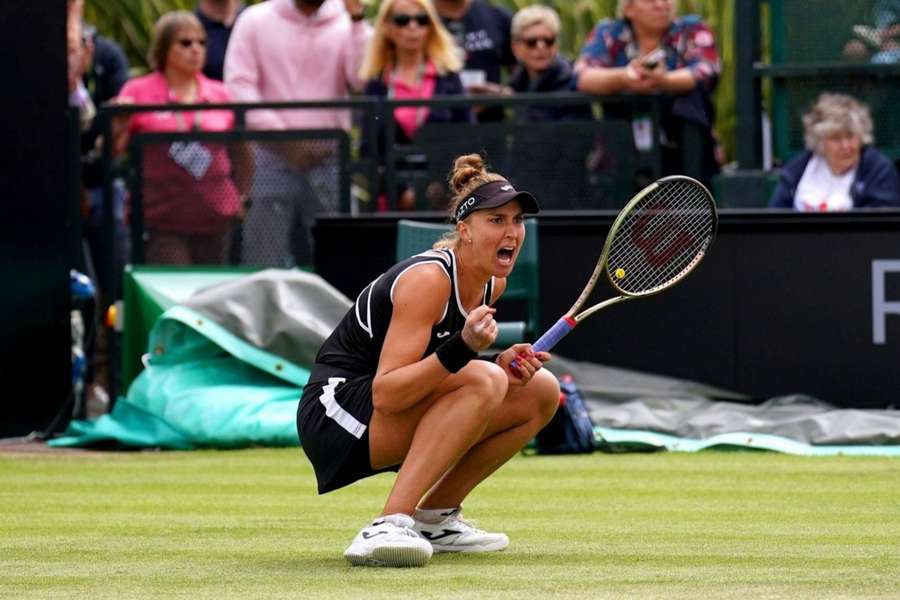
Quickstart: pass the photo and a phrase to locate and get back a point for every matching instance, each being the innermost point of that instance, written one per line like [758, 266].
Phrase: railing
[549, 157]
[810, 56]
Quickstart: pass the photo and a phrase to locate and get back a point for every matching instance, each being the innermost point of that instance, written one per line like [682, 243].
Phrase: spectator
[411, 56]
[290, 50]
[535, 36]
[105, 72]
[879, 44]
[189, 198]
[217, 17]
[482, 31]
[648, 50]
[75, 52]
[840, 170]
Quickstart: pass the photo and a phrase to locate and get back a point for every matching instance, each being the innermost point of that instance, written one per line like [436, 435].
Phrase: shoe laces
[466, 523]
[399, 529]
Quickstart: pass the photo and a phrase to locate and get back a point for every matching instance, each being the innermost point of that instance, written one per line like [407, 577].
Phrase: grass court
[248, 524]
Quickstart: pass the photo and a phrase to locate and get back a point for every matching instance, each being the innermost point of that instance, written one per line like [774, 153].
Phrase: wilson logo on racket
[652, 241]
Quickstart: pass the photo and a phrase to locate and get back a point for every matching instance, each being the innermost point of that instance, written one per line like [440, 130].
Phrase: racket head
[660, 236]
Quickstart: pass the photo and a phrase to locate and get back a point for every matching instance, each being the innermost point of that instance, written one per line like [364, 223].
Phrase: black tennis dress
[336, 405]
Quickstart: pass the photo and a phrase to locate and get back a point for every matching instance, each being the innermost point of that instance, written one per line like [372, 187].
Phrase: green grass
[248, 524]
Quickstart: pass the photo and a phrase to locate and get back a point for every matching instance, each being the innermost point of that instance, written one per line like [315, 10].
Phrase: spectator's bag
[571, 431]
[193, 157]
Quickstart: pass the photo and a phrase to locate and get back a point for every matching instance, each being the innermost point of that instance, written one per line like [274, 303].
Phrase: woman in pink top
[412, 56]
[189, 197]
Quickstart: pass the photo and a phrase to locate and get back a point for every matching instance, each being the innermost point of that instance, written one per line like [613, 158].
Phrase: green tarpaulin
[225, 368]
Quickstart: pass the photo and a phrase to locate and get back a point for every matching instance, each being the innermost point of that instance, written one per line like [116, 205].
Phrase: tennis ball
[620, 273]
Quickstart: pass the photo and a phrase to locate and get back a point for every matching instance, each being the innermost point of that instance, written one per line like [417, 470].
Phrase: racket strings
[697, 221]
[673, 253]
[667, 246]
[661, 238]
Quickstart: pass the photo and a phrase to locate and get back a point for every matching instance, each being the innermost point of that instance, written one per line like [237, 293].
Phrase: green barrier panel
[204, 387]
[148, 291]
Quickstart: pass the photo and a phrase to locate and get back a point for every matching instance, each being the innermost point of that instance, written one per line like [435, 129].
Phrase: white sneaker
[389, 542]
[455, 534]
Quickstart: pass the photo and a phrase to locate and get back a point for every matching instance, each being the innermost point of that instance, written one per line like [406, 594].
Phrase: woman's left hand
[528, 362]
[480, 329]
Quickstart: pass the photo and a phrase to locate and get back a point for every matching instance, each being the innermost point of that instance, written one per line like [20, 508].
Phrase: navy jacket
[876, 184]
[448, 84]
[558, 78]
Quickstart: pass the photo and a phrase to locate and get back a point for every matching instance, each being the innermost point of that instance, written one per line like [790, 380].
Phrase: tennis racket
[660, 236]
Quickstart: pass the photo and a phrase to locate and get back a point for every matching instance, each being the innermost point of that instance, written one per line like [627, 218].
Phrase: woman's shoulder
[687, 21]
[798, 163]
[448, 83]
[693, 25]
[139, 88]
[875, 157]
[558, 76]
[213, 90]
[609, 25]
[375, 86]
[423, 279]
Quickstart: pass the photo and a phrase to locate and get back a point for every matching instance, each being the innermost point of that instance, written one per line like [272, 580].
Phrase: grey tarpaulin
[288, 313]
[226, 368]
[686, 413]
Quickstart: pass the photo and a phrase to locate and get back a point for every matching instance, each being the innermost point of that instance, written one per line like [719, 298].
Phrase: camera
[653, 58]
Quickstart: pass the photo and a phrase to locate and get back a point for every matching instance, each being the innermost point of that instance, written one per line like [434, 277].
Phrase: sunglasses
[402, 20]
[533, 42]
[188, 42]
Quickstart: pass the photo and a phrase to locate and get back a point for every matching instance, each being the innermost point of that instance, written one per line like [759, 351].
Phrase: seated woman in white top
[840, 170]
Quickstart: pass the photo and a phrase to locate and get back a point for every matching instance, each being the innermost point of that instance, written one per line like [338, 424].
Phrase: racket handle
[554, 334]
[551, 337]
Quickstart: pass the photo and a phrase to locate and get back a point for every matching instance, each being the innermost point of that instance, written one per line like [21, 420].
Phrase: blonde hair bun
[466, 168]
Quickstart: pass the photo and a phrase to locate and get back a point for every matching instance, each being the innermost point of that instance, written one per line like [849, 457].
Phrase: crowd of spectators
[323, 50]
[255, 203]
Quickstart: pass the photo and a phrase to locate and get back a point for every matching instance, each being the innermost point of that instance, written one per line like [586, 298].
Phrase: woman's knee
[544, 389]
[487, 381]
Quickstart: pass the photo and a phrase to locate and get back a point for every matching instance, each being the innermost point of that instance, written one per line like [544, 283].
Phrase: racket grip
[554, 334]
[551, 337]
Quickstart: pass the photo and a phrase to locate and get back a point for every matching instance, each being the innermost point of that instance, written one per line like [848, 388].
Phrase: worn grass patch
[248, 524]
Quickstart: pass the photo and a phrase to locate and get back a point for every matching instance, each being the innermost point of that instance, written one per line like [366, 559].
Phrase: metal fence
[236, 197]
[182, 187]
[825, 46]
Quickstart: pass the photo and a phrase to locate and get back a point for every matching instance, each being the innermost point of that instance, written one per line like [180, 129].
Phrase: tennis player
[397, 387]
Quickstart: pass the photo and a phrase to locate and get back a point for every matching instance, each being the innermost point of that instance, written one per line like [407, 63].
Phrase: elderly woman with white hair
[840, 170]
[535, 33]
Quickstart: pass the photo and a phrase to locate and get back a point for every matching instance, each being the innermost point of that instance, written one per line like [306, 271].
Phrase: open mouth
[505, 254]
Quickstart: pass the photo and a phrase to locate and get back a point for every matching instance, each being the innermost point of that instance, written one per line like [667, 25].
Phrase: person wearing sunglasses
[648, 49]
[412, 57]
[189, 196]
[535, 34]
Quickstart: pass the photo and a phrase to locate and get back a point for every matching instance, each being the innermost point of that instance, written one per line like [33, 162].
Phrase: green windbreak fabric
[196, 394]
[226, 368]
